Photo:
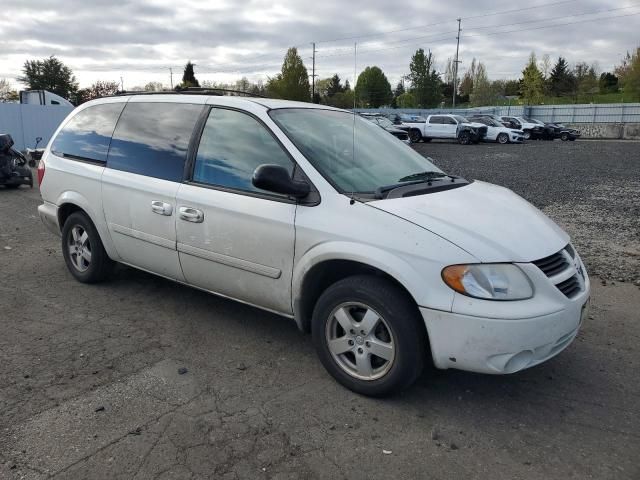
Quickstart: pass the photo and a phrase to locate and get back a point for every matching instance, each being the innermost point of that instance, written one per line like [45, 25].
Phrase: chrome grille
[553, 264]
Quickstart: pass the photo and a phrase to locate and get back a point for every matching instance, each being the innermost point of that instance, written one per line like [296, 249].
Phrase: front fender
[411, 277]
[366, 254]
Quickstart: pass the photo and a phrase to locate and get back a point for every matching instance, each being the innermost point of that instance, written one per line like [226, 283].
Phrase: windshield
[492, 122]
[326, 139]
[412, 118]
[384, 122]
[533, 120]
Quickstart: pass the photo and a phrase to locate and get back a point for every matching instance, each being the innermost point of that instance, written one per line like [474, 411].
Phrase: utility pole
[121, 84]
[171, 76]
[455, 67]
[313, 74]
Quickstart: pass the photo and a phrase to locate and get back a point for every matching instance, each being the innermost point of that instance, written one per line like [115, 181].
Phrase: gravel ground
[142, 378]
[590, 188]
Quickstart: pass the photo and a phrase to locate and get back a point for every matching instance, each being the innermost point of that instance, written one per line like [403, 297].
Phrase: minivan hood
[492, 223]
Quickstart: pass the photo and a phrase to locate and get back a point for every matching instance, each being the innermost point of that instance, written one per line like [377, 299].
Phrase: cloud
[140, 40]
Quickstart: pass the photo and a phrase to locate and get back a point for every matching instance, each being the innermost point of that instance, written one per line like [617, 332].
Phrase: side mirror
[275, 178]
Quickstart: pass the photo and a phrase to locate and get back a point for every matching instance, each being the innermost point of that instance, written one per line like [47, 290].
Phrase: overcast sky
[140, 40]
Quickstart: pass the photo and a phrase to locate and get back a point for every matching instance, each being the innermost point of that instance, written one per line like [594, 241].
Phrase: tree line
[422, 87]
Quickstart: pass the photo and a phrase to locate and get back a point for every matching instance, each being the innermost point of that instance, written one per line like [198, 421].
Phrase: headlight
[497, 281]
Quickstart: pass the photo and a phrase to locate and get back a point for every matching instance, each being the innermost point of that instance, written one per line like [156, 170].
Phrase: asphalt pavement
[142, 378]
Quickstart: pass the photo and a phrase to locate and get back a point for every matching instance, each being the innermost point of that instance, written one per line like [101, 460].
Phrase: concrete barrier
[618, 131]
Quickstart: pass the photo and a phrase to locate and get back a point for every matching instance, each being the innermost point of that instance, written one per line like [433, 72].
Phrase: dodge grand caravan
[312, 213]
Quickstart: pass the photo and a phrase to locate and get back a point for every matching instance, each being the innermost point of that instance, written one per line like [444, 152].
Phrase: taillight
[40, 171]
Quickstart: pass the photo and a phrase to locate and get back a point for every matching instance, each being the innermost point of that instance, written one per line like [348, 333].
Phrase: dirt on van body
[143, 378]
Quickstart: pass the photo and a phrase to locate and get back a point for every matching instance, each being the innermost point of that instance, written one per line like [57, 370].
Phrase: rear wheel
[503, 138]
[415, 136]
[368, 335]
[83, 251]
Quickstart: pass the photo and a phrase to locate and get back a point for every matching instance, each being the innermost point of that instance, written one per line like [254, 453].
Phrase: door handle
[161, 208]
[190, 214]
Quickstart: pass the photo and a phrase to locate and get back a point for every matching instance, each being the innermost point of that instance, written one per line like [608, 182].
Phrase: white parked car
[446, 127]
[497, 132]
[369, 246]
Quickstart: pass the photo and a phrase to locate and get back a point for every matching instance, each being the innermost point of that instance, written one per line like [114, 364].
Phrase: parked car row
[472, 129]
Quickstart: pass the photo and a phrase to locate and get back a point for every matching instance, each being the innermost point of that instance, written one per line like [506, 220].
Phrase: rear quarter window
[87, 135]
[152, 139]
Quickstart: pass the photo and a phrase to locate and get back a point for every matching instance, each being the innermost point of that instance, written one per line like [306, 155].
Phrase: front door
[234, 239]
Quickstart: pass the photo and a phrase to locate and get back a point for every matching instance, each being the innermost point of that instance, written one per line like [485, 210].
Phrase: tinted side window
[449, 121]
[232, 146]
[435, 120]
[87, 134]
[152, 139]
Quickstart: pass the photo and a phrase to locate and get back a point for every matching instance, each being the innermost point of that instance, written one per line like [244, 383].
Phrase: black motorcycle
[14, 166]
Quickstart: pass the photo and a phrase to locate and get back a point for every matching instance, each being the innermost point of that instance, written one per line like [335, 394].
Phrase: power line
[554, 25]
[502, 12]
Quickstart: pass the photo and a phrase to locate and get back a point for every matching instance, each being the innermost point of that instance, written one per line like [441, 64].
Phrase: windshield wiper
[413, 179]
[425, 176]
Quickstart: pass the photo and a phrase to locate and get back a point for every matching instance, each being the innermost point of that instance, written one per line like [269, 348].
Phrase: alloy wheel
[360, 341]
[79, 248]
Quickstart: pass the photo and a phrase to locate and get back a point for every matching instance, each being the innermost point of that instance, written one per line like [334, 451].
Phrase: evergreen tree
[561, 80]
[608, 83]
[49, 74]
[334, 86]
[425, 81]
[188, 77]
[532, 87]
[372, 88]
[292, 83]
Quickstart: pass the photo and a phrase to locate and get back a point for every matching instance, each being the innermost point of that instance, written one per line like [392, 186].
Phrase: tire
[564, 136]
[426, 139]
[503, 138]
[83, 251]
[397, 333]
[527, 135]
[12, 186]
[415, 136]
[464, 138]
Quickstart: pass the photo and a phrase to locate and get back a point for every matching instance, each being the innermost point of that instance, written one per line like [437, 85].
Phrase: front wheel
[415, 136]
[564, 136]
[503, 138]
[527, 135]
[83, 251]
[464, 138]
[368, 335]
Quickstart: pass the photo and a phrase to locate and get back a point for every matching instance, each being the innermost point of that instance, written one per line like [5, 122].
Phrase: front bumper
[499, 346]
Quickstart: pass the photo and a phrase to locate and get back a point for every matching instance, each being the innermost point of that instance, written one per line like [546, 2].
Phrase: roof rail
[189, 90]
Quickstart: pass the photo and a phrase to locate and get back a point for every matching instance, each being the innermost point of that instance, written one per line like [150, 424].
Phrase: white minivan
[315, 214]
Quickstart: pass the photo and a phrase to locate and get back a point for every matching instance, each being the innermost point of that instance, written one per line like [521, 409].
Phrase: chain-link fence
[589, 113]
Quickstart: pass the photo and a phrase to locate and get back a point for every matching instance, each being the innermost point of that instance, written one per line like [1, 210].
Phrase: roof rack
[189, 90]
